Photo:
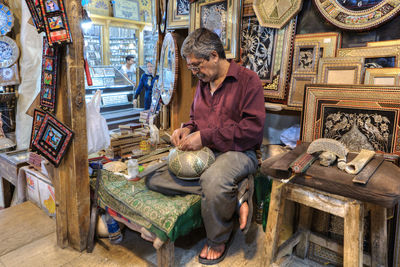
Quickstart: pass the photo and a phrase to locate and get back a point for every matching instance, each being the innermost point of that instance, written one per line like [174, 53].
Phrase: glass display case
[149, 46]
[117, 90]
[93, 46]
[123, 42]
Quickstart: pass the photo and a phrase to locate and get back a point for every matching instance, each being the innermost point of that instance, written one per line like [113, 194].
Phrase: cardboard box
[40, 191]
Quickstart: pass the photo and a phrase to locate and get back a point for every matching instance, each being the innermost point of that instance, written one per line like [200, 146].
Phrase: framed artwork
[178, 14]
[385, 53]
[382, 76]
[258, 46]
[329, 42]
[126, 9]
[346, 70]
[306, 56]
[357, 15]
[384, 43]
[9, 75]
[218, 16]
[55, 22]
[52, 139]
[38, 117]
[297, 85]
[276, 14]
[9, 52]
[169, 62]
[36, 14]
[360, 116]
[276, 90]
[6, 19]
[49, 77]
[100, 7]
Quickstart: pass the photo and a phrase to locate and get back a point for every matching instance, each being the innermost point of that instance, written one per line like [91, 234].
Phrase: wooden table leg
[2, 202]
[305, 217]
[379, 247]
[165, 255]
[353, 235]
[275, 214]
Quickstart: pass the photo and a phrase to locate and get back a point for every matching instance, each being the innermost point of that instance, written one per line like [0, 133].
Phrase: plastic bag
[290, 136]
[98, 137]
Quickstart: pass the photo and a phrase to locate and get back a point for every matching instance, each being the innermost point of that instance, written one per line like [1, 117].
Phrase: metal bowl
[189, 165]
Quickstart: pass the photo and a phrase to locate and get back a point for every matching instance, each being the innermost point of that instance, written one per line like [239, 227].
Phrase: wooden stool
[351, 210]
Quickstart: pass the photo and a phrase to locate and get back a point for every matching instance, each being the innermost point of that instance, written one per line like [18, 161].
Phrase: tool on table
[151, 169]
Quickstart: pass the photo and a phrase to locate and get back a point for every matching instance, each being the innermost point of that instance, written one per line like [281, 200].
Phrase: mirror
[168, 68]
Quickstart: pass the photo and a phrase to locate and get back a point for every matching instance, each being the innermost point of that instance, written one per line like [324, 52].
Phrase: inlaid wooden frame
[257, 49]
[38, 117]
[49, 78]
[372, 52]
[348, 70]
[178, 14]
[329, 42]
[297, 85]
[306, 57]
[36, 14]
[351, 16]
[360, 116]
[276, 91]
[395, 42]
[53, 139]
[276, 14]
[382, 76]
[222, 17]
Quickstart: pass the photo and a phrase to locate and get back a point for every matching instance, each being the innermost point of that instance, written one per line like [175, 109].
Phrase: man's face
[205, 70]
[131, 61]
[150, 68]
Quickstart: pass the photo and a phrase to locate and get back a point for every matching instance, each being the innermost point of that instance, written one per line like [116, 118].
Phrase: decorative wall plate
[9, 75]
[357, 15]
[169, 62]
[276, 13]
[360, 116]
[6, 20]
[53, 139]
[9, 51]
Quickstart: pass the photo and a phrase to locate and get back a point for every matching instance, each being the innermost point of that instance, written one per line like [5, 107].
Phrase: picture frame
[216, 16]
[178, 14]
[258, 45]
[345, 70]
[382, 76]
[373, 52]
[55, 22]
[126, 9]
[395, 42]
[276, 14]
[9, 75]
[329, 42]
[360, 16]
[36, 14]
[38, 116]
[360, 116]
[49, 78]
[297, 85]
[53, 139]
[276, 90]
[306, 57]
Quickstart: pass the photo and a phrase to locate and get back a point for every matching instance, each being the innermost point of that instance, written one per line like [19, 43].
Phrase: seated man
[227, 115]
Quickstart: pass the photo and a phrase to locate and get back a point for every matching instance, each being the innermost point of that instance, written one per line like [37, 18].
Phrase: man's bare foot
[243, 213]
[212, 253]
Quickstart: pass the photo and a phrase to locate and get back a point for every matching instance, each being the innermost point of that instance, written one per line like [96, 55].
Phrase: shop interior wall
[310, 21]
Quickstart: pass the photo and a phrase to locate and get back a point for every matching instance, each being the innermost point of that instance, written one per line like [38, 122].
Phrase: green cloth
[167, 217]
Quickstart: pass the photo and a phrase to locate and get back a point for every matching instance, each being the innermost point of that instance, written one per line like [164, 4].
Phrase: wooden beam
[379, 247]
[305, 217]
[71, 178]
[353, 235]
[165, 255]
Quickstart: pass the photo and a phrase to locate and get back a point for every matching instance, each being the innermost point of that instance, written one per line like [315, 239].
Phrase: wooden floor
[28, 238]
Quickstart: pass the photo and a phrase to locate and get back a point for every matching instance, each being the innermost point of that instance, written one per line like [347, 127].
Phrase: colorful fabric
[165, 216]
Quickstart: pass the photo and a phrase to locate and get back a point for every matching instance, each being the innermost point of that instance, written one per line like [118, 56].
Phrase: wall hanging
[36, 14]
[38, 117]
[178, 14]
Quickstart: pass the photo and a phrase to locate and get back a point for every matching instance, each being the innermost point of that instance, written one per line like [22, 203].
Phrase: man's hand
[178, 135]
[191, 142]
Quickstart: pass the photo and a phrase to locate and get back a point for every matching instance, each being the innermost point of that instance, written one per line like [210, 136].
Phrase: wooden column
[71, 177]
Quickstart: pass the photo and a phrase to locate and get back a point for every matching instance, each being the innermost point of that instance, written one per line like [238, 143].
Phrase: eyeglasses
[196, 66]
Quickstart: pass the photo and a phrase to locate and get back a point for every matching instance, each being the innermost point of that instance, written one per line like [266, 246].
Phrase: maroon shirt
[233, 118]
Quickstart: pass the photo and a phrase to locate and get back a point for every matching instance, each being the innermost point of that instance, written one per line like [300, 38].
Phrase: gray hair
[201, 43]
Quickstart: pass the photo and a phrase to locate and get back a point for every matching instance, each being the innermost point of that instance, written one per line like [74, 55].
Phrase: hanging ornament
[6, 20]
